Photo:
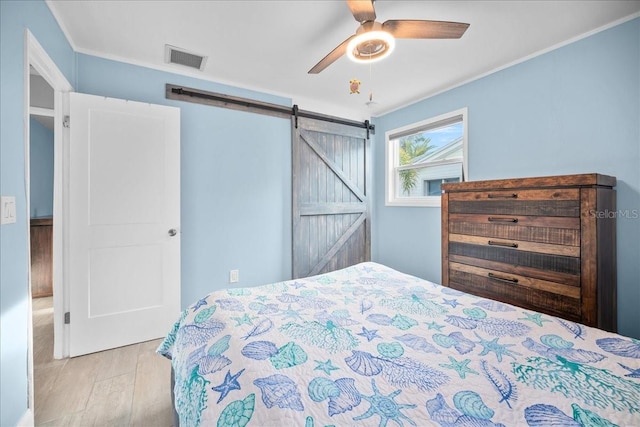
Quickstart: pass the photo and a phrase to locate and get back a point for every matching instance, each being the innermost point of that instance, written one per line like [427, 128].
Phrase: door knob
[173, 232]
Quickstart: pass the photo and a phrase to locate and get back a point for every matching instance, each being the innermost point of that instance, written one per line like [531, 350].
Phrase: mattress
[370, 346]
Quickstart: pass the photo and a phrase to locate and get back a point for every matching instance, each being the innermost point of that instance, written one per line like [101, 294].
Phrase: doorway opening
[41, 144]
[44, 88]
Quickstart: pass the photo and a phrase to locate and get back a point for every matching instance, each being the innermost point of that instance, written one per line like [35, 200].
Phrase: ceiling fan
[374, 41]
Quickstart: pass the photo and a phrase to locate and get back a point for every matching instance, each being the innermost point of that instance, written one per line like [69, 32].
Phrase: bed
[370, 346]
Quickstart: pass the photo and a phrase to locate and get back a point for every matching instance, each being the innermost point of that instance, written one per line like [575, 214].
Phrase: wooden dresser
[547, 244]
[41, 257]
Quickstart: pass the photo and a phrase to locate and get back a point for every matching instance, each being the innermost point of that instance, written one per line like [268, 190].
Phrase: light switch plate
[7, 209]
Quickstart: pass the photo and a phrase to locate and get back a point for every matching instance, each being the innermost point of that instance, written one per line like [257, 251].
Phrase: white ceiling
[270, 45]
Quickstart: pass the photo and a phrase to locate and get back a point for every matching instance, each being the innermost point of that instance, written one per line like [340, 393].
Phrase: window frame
[392, 157]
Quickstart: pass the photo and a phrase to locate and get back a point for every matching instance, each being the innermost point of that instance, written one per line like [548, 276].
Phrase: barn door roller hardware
[180, 93]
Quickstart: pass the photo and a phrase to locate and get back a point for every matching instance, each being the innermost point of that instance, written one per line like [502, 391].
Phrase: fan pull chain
[370, 83]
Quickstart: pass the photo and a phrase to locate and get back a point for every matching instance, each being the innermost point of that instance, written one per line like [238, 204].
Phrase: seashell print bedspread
[371, 346]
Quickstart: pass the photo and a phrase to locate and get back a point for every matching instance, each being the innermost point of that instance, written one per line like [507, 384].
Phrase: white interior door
[124, 222]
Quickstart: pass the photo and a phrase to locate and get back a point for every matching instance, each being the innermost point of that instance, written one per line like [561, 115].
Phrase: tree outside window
[410, 148]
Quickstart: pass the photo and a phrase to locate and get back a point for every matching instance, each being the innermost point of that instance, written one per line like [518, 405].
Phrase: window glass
[422, 156]
[433, 187]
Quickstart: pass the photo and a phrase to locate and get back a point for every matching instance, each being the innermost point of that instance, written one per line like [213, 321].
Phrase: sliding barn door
[331, 209]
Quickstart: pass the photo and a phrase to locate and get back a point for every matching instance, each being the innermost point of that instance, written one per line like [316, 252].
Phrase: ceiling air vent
[176, 55]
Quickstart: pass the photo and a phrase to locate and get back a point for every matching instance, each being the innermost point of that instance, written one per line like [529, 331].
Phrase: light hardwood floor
[127, 386]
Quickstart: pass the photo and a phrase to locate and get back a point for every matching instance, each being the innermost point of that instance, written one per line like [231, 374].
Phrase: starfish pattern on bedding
[535, 318]
[289, 313]
[434, 325]
[460, 367]
[326, 367]
[633, 373]
[452, 302]
[230, 383]
[498, 349]
[199, 304]
[244, 320]
[369, 334]
[385, 407]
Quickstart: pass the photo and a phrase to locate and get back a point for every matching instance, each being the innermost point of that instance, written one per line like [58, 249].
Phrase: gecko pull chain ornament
[354, 86]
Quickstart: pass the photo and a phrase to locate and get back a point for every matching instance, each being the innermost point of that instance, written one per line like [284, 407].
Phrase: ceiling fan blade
[362, 10]
[419, 29]
[333, 56]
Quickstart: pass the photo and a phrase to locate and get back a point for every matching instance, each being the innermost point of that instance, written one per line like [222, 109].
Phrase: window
[422, 156]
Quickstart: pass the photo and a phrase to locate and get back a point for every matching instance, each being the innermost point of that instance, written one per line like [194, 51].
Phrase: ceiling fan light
[370, 46]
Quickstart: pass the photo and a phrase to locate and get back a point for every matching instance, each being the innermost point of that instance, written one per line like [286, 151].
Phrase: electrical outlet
[234, 276]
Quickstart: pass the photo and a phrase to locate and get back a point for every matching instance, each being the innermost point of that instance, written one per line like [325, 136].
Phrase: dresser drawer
[515, 195]
[516, 245]
[522, 282]
[513, 231]
[532, 260]
[553, 303]
[554, 203]
[519, 220]
[511, 269]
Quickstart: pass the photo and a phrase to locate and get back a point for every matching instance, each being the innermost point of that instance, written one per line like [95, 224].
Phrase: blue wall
[41, 169]
[14, 18]
[235, 179]
[573, 110]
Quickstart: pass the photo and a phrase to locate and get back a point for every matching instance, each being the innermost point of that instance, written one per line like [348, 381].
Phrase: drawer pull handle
[504, 279]
[506, 244]
[495, 219]
[502, 196]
